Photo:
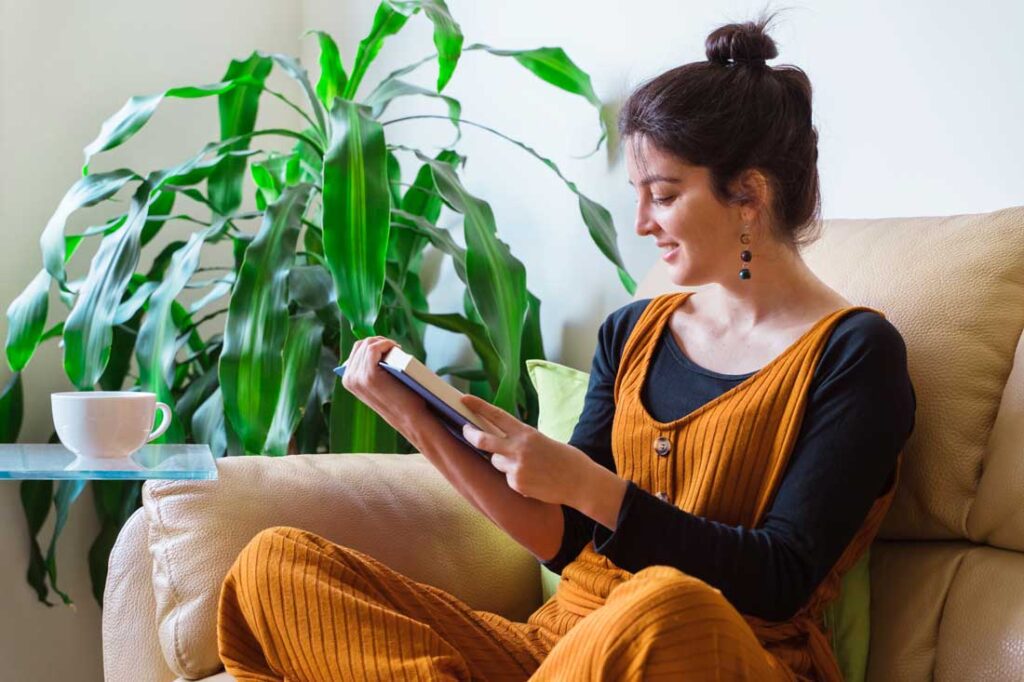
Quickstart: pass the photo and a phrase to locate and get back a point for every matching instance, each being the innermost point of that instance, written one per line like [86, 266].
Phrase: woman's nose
[643, 224]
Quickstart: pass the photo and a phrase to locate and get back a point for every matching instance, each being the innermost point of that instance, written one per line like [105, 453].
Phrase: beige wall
[65, 67]
[917, 104]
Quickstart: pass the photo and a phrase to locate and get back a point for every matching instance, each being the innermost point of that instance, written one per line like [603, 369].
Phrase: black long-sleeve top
[860, 412]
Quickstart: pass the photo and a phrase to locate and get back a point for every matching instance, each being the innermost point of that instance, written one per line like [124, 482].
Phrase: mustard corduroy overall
[295, 606]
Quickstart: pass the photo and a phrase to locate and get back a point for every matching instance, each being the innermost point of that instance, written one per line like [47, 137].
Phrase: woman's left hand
[534, 465]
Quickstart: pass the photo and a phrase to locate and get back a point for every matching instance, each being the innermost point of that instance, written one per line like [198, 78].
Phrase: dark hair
[732, 113]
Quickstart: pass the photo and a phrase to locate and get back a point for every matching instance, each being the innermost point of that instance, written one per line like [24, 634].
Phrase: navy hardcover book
[452, 420]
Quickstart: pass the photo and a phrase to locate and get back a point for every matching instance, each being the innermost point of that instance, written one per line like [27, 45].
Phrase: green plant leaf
[292, 67]
[447, 35]
[391, 89]
[88, 329]
[161, 206]
[238, 108]
[208, 424]
[496, 278]
[596, 217]
[137, 111]
[156, 346]
[36, 496]
[301, 352]
[12, 409]
[87, 191]
[353, 426]
[114, 501]
[553, 65]
[356, 210]
[87, 332]
[251, 363]
[478, 338]
[332, 73]
[388, 20]
[26, 318]
[67, 492]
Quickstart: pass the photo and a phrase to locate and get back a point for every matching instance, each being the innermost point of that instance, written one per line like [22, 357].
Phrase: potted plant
[332, 253]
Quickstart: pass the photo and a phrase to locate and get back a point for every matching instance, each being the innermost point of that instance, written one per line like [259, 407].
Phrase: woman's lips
[669, 255]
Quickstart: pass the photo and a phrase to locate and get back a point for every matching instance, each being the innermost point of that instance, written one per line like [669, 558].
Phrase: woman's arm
[534, 524]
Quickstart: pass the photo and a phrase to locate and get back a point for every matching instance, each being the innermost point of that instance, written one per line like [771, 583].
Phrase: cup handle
[165, 421]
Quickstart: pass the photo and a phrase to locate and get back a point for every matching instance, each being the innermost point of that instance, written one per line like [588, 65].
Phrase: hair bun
[747, 42]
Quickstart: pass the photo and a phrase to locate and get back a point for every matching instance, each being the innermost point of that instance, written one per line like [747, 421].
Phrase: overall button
[662, 446]
[663, 496]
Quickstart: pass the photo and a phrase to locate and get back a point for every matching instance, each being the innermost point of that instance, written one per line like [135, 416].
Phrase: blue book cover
[450, 419]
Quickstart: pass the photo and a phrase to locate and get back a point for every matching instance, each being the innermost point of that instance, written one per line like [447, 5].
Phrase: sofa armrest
[397, 508]
[131, 648]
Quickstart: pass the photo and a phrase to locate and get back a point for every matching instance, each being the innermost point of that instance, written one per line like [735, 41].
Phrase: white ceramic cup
[107, 424]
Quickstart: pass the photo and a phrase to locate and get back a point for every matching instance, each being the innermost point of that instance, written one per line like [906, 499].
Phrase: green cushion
[560, 394]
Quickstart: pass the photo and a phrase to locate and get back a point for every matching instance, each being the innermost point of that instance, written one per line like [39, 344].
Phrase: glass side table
[54, 461]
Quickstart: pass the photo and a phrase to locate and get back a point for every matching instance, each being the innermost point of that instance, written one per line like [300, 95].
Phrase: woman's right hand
[383, 393]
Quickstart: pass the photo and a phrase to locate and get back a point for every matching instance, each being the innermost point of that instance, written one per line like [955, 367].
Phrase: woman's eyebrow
[655, 178]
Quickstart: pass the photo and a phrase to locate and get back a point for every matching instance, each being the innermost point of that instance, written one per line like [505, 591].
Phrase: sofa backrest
[947, 570]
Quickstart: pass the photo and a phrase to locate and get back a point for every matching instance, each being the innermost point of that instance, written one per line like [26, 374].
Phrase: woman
[737, 450]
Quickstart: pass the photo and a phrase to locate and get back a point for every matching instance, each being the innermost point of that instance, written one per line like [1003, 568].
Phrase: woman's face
[698, 235]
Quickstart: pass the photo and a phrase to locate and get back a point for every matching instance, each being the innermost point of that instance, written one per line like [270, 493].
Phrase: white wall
[917, 104]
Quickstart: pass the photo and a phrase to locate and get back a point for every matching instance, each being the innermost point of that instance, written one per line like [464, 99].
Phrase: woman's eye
[661, 201]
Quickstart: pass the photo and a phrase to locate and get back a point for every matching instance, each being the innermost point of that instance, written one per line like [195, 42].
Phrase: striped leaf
[301, 353]
[137, 111]
[87, 191]
[251, 362]
[388, 20]
[553, 65]
[496, 278]
[356, 210]
[237, 108]
[26, 318]
[156, 345]
[332, 72]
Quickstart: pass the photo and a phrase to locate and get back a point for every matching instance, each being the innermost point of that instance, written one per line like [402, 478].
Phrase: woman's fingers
[493, 413]
[480, 439]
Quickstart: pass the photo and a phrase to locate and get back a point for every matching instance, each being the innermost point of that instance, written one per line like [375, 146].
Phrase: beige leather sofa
[947, 570]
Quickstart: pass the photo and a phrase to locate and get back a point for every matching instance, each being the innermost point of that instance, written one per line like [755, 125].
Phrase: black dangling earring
[745, 256]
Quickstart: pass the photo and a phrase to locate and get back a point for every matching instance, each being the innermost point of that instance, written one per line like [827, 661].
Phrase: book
[443, 399]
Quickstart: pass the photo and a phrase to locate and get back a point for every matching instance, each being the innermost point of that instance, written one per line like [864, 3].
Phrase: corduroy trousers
[295, 606]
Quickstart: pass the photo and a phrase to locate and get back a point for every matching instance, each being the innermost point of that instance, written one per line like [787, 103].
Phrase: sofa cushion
[397, 508]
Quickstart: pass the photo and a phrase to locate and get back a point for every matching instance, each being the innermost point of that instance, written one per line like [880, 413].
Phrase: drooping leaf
[356, 210]
[162, 204]
[251, 362]
[67, 492]
[208, 425]
[301, 352]
[332, 73]
[114, 501]
[238, 108]
[87, 191]
[496, 278]
[137, 111]
[87, 332]
[391, 89]
[553, 65]
[291, 66]
[26, 318]
[387, 21]
[156, 346]
[36, 496]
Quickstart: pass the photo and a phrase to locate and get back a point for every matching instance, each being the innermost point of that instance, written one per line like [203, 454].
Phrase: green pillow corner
[560, 394]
